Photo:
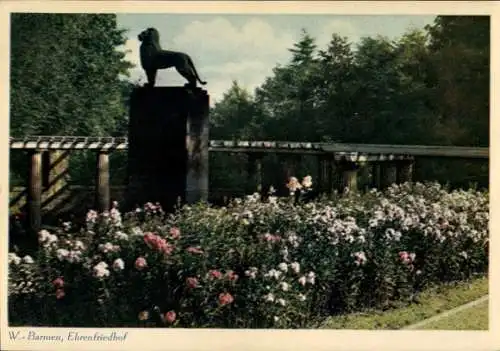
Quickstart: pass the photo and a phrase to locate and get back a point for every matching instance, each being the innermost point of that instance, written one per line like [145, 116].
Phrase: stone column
[376, 170]
[55, 175]
[254, 173]
[348, 176]
[388, 174]
[35, 191]
[102, 200]
[405, 171]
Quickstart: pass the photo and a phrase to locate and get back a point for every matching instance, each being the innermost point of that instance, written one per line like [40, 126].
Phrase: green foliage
[281, 263]
[65, 72]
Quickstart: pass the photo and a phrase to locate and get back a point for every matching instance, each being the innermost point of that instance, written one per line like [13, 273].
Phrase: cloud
[221, 39]
[222, 52]
[344, 28]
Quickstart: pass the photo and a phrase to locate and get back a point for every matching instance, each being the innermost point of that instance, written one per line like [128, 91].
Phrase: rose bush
[278, 263]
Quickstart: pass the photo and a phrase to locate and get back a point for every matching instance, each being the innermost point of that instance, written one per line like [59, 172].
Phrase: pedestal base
[168, 146]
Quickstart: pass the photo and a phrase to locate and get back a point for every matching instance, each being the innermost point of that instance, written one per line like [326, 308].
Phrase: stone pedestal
[168, 146]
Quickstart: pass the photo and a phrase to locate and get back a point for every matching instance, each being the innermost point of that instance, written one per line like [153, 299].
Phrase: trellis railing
[390, 163]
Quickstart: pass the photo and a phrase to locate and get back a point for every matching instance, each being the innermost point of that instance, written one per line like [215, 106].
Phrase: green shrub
[278, 263]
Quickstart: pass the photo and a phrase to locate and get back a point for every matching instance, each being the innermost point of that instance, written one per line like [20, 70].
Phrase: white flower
[43, 235]
[108, 247]
[13, 258]
[301, 297]
[464, 254]
[307, 182]
[311, 278]
[302, 281]
[74, 256]
[121, 236]
[100, 270]
[91, 216]
[116, 217]
[282, 302]
[269, 297]
[137, 231]
[27, 259]
[360, 257]
[285, 253]
[62, 254]
[252, 272]
[102, 264]
[284, 286]
[283, 267]
[52, 239]
[79, 245]
[276, 318]
[118, 264]
[295, 266]
[273, 273]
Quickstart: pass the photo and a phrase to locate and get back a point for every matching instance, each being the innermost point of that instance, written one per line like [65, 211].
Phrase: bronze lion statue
[153, 58]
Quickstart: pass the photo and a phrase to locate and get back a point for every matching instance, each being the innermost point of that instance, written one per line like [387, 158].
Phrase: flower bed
[273, 263]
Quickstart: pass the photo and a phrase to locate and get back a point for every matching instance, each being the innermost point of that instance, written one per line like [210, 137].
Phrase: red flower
[225, 299]
[215, 274]
[231, 275]
[194, 250]
[192, 282]
[58, 283]
[175, 233]
[170, 316]
[60, 294]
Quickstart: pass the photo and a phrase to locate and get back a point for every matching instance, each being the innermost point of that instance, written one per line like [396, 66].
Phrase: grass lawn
[474, 318]
[432, 302]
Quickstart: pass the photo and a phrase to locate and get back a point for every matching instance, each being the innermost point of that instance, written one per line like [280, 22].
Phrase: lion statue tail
[196, 73]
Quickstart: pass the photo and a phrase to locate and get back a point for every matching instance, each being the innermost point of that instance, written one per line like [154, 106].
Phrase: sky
[246, 48]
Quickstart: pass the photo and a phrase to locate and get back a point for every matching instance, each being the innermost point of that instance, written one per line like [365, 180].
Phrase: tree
[65, 74]
[288, 98]
[232, 117]
[460, 52]
[65, 80]
[336, 88]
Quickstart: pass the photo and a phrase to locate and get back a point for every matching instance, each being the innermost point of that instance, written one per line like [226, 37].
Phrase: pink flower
[60, 294]
[192, 282]
[150, 239]
[140, 263]
[406, 257]
[215, 274]
[194, 250]
[175, 233]
[231, 275]
[167, 248]
[170, 316]
[58, 283]
[271, 238]
[157, 243]
[225, 299]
